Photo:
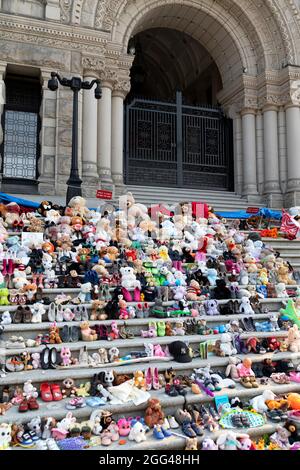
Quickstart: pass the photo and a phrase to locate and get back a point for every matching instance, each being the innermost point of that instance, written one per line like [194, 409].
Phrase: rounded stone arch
[226, 41]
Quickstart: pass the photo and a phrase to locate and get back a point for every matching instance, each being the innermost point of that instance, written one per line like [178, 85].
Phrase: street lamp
[76, 84]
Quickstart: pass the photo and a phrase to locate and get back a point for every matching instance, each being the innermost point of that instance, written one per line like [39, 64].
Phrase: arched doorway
[176, 133]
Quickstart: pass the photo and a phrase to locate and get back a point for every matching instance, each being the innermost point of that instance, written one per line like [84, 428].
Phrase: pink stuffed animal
[65, 355]
[158, 351]
[123, 313]
[124, 427]
[114, 334]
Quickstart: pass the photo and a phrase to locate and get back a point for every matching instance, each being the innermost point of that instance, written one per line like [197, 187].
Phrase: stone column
[90, 176]
[117, 156]
[238, 153]
[293, 152]
[104, 136]
[2, 103]
[272, 191]
[249, 155]
[47, 166]
[282, 150]
[260, 170]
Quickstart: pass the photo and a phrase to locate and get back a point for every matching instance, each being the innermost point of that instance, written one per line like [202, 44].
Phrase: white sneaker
[52, 312]
[166, 424]
[173, 423]
[41, 445]
[60, 314]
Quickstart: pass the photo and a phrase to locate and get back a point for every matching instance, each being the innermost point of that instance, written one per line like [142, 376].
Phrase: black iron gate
[172, 144]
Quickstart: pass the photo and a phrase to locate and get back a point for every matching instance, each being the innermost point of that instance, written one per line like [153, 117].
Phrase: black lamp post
[76, 84]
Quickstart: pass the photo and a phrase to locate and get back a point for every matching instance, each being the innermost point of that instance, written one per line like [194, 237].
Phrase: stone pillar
[47, 166]
[260, 170]
[272, 191]
[293, 151]
[90, 176]
[238, 153]
[104, 136]
[117, 156]
[2, 103]
[249, 155]
[282, 150]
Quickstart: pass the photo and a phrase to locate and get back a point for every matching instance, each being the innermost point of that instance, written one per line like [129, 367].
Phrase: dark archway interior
[167, 60]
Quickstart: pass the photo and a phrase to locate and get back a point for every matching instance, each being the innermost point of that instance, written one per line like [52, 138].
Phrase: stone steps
[220, 200]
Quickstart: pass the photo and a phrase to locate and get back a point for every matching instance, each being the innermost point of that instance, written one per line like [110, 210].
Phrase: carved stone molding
[65, 10]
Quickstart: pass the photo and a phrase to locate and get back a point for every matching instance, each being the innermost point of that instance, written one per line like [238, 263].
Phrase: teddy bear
[225, 345]
[154, 413]
[87, 333]
[98, 312]
[293, 339]
[129, 280]
[281, 292]
[231, 370]
[19, 279]
[134, 211]
[137, 433]
[245, 306]
[78, 207]
[193, 291]
[29, 391]
[54, 337]
[212, 307]
[35, 360]
[139, 380]
[101, 269]
[283, 275]
[179, 293]
[259, 403]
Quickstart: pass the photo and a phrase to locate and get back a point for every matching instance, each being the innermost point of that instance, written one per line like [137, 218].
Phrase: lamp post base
[74, 189]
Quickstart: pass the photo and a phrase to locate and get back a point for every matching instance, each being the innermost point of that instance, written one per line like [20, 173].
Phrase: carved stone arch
[135, 14]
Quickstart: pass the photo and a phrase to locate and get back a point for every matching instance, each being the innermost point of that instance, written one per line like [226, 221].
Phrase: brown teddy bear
[54, 337]
[154, 414]
[113, 253]
[283, 275]
[193, 291]
[87, 333]
[98, 312]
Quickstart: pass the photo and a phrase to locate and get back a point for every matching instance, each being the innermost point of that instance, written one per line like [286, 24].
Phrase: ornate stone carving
[93, 63]
[295, 92]
[65, 10]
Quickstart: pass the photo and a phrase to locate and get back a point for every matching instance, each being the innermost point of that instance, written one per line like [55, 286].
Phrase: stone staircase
[289, 250]
[220, 200]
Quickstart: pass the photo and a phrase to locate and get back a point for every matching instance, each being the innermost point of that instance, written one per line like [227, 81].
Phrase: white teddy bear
[6, 318]
[259, 403]
[137, 433]
[245, 306]
[29, 391]
[19, 279]
[129, 280]
[38, 310]
[281, 291]
[5, 436]
[226, 345]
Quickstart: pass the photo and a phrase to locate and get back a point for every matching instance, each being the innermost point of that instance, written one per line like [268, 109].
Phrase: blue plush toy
[212, 276]
[264, 326]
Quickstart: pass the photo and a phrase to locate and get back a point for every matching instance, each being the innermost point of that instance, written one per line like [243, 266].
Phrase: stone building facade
[254, 44]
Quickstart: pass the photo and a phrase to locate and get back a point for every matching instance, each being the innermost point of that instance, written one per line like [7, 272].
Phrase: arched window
[21, 127]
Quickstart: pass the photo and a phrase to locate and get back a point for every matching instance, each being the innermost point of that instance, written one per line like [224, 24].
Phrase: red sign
[104, 194]
[253, 210]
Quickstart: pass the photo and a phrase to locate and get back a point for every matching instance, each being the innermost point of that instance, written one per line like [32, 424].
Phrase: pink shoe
[156, 384]
[34, 279]
[10, 268]
[149, 379]
[295, 376]
[126, 294]
[41, 278]
[137, 295]
[4, 269]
